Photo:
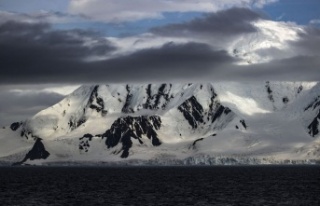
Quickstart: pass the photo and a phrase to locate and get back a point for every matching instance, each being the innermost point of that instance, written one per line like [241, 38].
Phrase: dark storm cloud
[298, 68]
[223, 23]
[38, 40]
[29, 49]
[171, 61]
[309, 42]
[34, 53]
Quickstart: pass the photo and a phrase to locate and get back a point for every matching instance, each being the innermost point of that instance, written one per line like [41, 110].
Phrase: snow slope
[200, 123]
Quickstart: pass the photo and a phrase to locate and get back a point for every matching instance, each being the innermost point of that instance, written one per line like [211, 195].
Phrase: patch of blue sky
[130, 28]
[23, 6]
[299, 11]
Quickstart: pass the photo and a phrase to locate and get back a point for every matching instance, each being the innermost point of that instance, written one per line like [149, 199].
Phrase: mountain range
[172, 124]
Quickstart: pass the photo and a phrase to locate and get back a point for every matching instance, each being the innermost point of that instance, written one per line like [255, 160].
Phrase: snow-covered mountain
[199, 123]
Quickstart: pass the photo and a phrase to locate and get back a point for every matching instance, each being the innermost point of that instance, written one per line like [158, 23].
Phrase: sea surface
[217, 185]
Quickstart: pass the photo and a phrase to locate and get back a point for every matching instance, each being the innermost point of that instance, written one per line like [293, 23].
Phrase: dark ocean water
[251, 185]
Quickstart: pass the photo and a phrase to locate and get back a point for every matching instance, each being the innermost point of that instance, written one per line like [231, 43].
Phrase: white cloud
[124, 10]
[315, 21]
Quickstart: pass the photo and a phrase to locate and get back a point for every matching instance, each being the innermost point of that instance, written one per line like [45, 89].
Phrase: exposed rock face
[14, 126]
[314, 104]
[314, 108]
[153, 101]
[84, 142]
[38, 151]
[192, 111]
[123, 129]
[314, 125]
[270, 95]
[243, 123]
[126, 108]
[96, 102]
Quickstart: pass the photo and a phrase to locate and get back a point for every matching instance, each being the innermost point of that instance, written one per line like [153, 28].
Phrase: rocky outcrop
[38, 151]
[125, 128]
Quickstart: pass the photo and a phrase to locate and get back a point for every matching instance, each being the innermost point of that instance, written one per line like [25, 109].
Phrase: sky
[48, 48]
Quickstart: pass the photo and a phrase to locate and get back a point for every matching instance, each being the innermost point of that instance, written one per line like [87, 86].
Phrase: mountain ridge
[110, 123]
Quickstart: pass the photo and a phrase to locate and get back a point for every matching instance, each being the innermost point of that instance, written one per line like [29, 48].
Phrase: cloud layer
[224, 23]
[169, 62]
[35, 53]
[17, 105]
[119, 10]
